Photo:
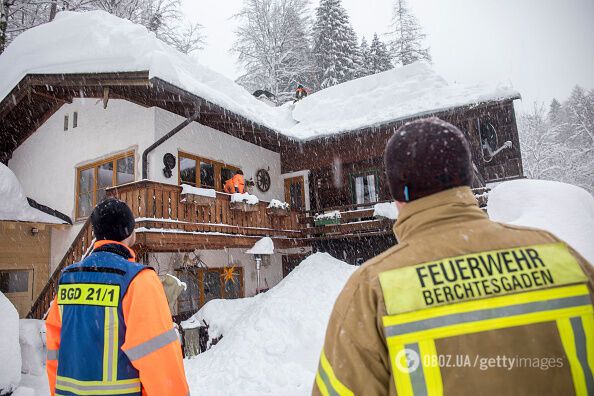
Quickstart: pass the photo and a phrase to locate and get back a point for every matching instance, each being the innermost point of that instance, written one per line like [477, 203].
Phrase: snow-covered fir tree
[365, 69]
[163, 17]
[560, 145]
[406, 37]
[272, 44]
[379, 56]
[335, 45]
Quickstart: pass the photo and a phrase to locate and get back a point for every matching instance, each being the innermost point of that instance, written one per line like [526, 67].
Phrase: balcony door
[295, 192]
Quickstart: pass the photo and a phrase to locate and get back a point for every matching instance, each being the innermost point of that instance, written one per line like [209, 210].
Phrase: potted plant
[244, 202]
[277, 208]
[198, 196]
[327, 219]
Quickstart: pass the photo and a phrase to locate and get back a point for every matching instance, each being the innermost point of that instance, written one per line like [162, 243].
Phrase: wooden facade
[24, 256]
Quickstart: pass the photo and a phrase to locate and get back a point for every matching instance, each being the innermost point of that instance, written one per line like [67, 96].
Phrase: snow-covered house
[92, 105]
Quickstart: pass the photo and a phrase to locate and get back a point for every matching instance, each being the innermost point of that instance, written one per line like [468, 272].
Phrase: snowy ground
[272, 342]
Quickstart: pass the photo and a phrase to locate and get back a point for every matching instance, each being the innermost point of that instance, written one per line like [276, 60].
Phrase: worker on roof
[236, 184]
[462, 305]
[300, 93]
[109, 329]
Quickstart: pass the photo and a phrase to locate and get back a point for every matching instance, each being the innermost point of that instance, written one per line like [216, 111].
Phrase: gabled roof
[80, 54]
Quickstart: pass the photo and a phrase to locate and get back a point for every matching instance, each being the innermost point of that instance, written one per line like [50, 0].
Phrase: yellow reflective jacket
[462, 306]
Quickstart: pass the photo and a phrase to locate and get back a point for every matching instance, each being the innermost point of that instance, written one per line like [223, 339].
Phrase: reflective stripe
[485, 314]
[327, 382]
[110, 344]
[152, 345]
[417, 377]
[52, 354]
[582, 353]
[98, 387]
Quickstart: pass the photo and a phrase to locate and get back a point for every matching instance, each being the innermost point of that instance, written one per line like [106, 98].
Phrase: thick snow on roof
[565, 210]
[263, 246]
[97, 42]
[13, 202]
[393, 95]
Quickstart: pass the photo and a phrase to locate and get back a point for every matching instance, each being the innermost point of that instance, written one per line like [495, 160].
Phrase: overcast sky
[542, 47]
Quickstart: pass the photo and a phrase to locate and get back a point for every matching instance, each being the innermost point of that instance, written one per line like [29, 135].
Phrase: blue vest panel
[91, 360]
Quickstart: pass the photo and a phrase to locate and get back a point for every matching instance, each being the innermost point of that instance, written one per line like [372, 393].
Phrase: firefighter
[462, 305]
[109, 329]
[236, 184]
[300, 93]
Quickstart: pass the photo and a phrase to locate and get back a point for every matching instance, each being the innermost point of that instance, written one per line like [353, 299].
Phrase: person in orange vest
[236, 184]
[109, 329]
[300, 93]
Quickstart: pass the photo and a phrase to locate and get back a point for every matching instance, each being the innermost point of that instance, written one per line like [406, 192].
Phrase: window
[202, 172]
[205, 284]
[74, 120]
[365, 187]
[14, 281]
[66, 122]
[94, 179]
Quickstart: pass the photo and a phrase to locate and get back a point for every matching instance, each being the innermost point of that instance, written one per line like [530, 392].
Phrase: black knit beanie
[113, 220]
[427, 156]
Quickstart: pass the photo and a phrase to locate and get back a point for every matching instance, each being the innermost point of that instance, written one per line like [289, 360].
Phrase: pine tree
[366, 58]
[272, 44]
[379, 56]
[335, 45]
[406, 37]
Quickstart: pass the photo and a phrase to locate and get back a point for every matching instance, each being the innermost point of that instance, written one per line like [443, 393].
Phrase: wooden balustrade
[80, 246]
[158, 206]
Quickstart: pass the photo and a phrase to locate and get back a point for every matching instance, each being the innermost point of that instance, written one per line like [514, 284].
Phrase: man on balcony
[236, 184]
[109, 330]
[462, 305]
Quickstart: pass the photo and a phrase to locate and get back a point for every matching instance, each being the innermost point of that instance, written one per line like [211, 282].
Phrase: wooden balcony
[164, 223]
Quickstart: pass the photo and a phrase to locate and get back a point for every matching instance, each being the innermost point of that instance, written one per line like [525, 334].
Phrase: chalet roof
[80, 54]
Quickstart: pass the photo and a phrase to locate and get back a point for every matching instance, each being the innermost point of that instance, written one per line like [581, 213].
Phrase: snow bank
[563, 209]
[10, 369]
[263, 246]
[220, 315]
[275, 203]
[386, 209]
[32, 342]
[203, 192]
[272, 342]
[13, 202]
[98, 42]
[393, 95]
[245, 197]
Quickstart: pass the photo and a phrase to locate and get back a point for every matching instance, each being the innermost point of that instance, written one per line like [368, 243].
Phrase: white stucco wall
[46, 162]
[209, 143]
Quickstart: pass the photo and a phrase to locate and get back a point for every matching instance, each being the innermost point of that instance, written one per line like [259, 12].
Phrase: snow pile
[271, 346]
[10, 369]
[13, 202]
[386, 209]
[335, 214]
[203, 192]
[263, 246]
[276, 204]
[98, 42]
[220, 315]
[393, 95]
[245, 197]
[32, 341]
[563, 209]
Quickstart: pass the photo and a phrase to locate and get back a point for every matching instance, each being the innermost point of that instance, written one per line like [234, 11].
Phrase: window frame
[217, 165]
[30, 274]
[354, 175]
[199, 273]
[95, 165]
